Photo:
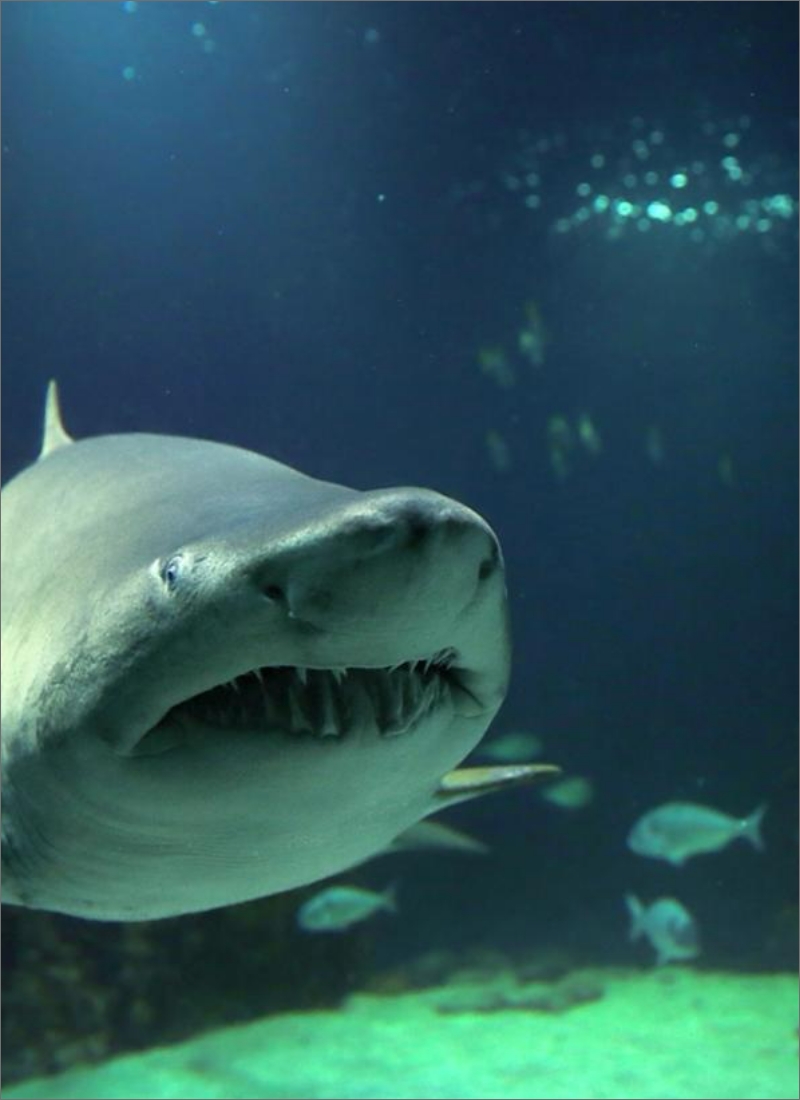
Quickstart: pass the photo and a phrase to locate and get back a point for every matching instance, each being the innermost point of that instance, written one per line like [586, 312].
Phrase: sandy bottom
[666, 1034]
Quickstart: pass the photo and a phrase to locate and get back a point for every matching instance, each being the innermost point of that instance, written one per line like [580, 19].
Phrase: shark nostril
[274, 592]
[488, 566]
[417, 532]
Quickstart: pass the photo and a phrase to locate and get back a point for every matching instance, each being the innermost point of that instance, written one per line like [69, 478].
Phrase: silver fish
[678, 830]
[668, 925]
[338, 907]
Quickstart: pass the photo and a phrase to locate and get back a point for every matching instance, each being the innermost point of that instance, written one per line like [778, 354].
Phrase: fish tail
[636, 911]
[389, 897]
[751, 827]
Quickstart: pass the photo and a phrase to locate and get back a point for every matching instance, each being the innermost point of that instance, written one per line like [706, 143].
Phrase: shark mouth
[326, 702]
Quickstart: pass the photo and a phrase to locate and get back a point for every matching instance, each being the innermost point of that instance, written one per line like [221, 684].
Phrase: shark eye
[170, 571]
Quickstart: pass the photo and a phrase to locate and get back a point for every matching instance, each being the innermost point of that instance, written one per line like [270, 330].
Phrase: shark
[223, 678]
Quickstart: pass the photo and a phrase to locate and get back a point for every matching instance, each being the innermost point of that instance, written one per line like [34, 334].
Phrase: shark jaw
[324, 703]
[223, 679]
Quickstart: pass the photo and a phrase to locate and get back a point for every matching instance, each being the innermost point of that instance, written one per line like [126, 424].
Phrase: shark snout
[396, 561]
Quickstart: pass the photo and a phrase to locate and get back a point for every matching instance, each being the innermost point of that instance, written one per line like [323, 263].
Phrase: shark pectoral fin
[55, 435]
[464, 783]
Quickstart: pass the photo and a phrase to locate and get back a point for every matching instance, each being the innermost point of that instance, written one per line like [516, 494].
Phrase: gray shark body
[222, 678]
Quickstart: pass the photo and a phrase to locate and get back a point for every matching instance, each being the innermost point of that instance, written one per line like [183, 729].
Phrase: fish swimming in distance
[223, 679]
[336, 908]
[668, 925]
[678, 830]
[510, 747]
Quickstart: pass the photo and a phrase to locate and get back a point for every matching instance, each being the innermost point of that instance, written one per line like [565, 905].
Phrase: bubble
[372, 36]
[198, 30]
[782, 205]
[659, 211]
[130, 6]
[636, 171]
[129, 72]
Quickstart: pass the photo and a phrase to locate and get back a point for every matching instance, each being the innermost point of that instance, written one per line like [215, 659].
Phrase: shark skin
[223, 679]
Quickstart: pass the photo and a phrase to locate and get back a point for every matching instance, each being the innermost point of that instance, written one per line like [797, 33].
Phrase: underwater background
[540, 257]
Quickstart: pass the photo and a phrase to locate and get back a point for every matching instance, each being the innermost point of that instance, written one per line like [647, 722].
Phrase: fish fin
[436, 836]
[636, 911]
[464, 783]
[751, 827]
[55, 435]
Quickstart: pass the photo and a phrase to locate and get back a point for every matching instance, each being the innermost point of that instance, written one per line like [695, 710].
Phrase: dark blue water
[295, 226]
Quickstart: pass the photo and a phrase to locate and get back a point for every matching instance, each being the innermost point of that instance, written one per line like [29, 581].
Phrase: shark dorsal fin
[55, 435]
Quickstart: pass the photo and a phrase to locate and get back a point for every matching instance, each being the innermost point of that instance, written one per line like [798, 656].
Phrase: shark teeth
[327, 703]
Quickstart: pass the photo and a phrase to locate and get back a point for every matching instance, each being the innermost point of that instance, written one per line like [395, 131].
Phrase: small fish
[337, 907]
[572, 793]
[668, 925]
[678, 830]
[499, 451]
[588, 435]
[510, 747]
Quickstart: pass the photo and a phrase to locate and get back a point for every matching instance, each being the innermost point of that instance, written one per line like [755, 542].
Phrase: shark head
[222, 678]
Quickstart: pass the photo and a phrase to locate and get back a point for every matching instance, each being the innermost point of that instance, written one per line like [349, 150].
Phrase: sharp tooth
[330, 726]
[445, 658]
[259, 676]
[412, 695]
[338, 674]
[297, 719]
[393, 686]
[302, 674]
